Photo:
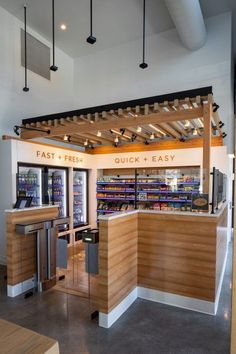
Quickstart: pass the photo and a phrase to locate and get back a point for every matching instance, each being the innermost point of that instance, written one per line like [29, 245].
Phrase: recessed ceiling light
[63, 27]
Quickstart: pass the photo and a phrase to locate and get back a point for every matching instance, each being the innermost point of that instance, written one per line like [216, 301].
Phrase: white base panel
[177, 300]
[220, 282]
[20, 288]
[107, 320]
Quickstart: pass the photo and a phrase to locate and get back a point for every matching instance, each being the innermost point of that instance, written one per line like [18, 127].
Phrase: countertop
[121, 214]
[31, 208]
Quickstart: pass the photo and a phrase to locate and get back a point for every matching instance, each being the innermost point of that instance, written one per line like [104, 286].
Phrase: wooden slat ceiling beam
[146, 120]
[84, 127]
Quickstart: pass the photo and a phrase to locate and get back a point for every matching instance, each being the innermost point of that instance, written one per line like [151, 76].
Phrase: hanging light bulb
[116, 140]
[152, 136]
[91, 39]
[144, 65]
[99, 133]
[139, 129]
[86, 142]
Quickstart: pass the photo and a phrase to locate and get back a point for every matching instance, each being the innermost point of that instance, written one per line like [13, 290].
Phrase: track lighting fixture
[215, 107]
[224, 135]
[99, 133]
[187, 124]
[133, 137]
[146, 142]
[116, 140]
[144, 65]
[86, 142]
[122, 131]
[152, 136]
[67, 138]
[91, 39]
[53, 67]
[17, 129]
[139, 129]
[221, 124]
[25, 89]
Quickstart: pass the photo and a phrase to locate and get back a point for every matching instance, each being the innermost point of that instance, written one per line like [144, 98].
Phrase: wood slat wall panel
[21, 250]
[117, 261]
[178, 254]
[167, 240]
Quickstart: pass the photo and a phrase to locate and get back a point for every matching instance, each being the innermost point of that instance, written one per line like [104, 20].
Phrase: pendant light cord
[25, 88]
[53, 67]
[25, 24]
[91, 17]
[53, 32]
[144, 27]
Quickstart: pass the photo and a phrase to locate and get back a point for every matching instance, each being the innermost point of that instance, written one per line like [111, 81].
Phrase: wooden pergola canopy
[178, 116]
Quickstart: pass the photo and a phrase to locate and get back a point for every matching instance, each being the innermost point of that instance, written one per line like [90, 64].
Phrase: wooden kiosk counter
[170, 257]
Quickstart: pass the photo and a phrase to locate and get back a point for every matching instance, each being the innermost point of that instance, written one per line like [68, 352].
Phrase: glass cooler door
[57, 189]
[29, 183]
[80, 216]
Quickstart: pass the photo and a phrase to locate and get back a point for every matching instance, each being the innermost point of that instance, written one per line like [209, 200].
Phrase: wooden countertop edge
[167, 215]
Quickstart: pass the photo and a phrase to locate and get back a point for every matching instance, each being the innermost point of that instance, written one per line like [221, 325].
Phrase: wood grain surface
[178, 254]
[21, 249]
[117, 260]
[15, 339]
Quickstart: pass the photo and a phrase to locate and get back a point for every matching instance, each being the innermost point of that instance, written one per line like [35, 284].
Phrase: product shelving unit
[166, 189]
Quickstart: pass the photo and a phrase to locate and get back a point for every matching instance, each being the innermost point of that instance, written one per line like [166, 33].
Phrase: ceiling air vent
[38, 56]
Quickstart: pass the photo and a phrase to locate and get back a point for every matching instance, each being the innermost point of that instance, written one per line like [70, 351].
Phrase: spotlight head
[221, 124]
[122, 130]
[91, 39]
[182, 140]
[146, 142]
[143, 65]
[111, 131]
[116, 145]
[26, 89]
[53, 68]
[16, 130]
[69, 139]
[224, 135]
[133, 137]
[215, 107]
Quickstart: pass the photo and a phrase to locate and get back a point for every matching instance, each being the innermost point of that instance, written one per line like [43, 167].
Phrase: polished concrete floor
[146, 328]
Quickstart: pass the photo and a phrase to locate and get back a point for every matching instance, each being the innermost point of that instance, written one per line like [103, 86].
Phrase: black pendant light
[144, 65]
[91, 39]
[53, 67]
[25, 89]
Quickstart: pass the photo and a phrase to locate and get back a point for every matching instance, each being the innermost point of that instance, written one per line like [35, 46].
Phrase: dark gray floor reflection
[146, 328]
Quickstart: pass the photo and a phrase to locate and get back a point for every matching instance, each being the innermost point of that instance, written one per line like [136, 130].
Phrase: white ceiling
[115, 21]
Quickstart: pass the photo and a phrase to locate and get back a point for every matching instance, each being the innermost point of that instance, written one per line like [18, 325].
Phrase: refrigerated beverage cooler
[80, 202]
[57, 189]
[29, 183]
[45, 184]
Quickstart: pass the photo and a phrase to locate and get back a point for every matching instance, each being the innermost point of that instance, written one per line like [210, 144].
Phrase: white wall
[114, 75]
[45, 96]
